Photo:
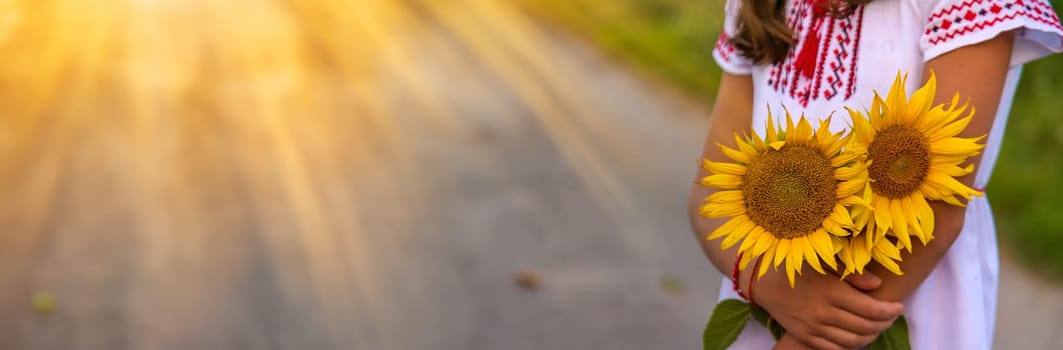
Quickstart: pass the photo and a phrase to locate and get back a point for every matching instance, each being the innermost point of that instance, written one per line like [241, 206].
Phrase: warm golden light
[181, 172]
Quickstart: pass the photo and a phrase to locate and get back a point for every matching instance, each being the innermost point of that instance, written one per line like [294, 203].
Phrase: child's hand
[824, 312]
[867, 281]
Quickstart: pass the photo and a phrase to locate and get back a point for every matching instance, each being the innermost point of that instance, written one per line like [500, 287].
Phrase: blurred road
[200, 175]
[256, 174]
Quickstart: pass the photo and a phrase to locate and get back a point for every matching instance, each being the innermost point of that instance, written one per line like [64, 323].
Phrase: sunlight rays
[291, 124]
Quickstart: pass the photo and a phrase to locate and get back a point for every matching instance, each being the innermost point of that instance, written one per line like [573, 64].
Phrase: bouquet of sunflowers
[805, 195]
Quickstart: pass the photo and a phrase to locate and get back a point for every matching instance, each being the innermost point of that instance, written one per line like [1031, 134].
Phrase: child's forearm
[723, 260]
[990, 59]
[732, 113]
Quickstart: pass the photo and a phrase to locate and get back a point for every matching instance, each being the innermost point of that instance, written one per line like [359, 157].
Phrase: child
[814, 57]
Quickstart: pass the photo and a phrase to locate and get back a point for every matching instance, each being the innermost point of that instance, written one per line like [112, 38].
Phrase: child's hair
[762, 33]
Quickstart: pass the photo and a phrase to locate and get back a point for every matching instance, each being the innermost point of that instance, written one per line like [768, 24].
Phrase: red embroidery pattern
[976, 15]
[724, 47]
[822, 64]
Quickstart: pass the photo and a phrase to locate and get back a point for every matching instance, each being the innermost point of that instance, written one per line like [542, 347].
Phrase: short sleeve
[726, 55]
[952, 24]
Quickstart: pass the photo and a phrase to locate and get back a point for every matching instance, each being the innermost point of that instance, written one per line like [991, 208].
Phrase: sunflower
[864, 245]
[788, 196]
[914, 157]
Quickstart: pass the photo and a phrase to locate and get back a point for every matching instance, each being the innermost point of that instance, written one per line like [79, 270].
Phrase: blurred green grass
[669, 39]
[673, 40]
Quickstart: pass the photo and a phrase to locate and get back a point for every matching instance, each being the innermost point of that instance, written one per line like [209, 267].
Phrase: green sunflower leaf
[726, 323]
[764, 318]
[894, 338]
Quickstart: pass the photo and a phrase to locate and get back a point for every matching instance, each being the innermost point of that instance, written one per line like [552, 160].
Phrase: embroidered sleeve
[952, 24]
[729, 58]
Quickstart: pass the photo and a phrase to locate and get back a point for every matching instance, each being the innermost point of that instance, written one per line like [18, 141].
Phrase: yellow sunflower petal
[782, 250]
[900, 219]
[952, 170]
[821, 244]
[735, 154]
[769, 254]
[957, 146]
[904, 241]
[722, 181]
[841, 216]
[747, 257]
[932, 191]
[845, 173]
[725, 197]
[810, 255]
[804, 129]
[950, 130]
[727, 227]
[881, 211]
[951, 184]
[771, 133]
[953, 200]
[843, 159]
[889, 265]
[897, 97]
[861, 128]
[737, 235]
[722, 210]
[838, 244]
[854, 201]
[920, 101]
[790, 131]
[835, 228]
[832, 145]
[925, 214]
[766, 241]
[723, 167]
[888, 250]
[747, 245]
[949, 159]
[846, 257]
[861, 255]
[822, 132]
[797, 254]
[791, 266]
[886, 254]
[874, 115]
[942, 114]
[912, 218]
[871, 235]
[849, 188]
[860, 215]
[744, 145]
[758, 142]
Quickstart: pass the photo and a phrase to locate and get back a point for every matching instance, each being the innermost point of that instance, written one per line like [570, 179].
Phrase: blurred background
[395, 174]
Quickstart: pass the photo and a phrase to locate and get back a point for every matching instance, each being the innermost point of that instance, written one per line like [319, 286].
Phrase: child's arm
[978, 72]
[732, 112]
[831, 314]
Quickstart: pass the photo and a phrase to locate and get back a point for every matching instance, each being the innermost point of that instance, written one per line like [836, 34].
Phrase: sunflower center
[790, 191]
[900, 160]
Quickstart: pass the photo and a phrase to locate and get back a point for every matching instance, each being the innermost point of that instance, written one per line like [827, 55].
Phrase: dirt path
[183, 177]
[320, 175]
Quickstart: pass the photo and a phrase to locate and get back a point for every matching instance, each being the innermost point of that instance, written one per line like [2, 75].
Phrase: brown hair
[762, 33]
